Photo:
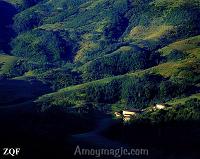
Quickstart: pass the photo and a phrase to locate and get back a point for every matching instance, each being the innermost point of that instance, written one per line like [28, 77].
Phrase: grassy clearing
[52, 27]
[85, 47]
[174, 4]
[149, 33]
[167, 69]
[7, 62]
[183, 100]
[190, 46]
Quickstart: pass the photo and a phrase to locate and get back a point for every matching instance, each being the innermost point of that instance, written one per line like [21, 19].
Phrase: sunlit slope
[131, 53]
[6, 63]
[176, 69]
[96, 27]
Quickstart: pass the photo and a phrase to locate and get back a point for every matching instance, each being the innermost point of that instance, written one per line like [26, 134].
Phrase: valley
[67, 66]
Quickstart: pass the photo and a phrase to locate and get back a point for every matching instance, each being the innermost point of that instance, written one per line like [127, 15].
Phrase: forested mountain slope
[123, 53]
[67, 67]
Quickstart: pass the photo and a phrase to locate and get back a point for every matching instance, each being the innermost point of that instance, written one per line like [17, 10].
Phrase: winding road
[96, 140]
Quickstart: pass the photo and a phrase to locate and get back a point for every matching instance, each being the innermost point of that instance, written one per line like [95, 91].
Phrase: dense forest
[94, 54]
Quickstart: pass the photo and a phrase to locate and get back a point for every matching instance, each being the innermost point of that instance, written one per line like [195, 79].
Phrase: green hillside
[70, 68]
[125, 53]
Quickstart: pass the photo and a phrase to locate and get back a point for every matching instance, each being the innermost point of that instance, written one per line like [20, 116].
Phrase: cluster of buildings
[129, 113]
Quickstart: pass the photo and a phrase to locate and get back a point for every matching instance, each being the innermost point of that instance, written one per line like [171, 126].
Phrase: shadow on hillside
[7, 11]
[13, 92]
